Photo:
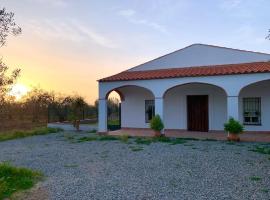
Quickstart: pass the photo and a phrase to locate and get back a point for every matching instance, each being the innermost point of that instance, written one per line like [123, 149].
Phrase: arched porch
[134, 113]
[195, 107]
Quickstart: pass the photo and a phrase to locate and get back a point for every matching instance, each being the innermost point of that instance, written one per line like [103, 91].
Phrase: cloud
[130, 15]
[71, 31]
[94, 36]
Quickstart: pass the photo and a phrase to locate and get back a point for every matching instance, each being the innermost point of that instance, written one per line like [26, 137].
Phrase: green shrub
[233, 126]
[156, 123]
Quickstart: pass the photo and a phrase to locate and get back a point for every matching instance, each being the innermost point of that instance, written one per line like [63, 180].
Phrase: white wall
[175, 105]
[133, 107]
[201, 55]
[232, 84]
[261, 89]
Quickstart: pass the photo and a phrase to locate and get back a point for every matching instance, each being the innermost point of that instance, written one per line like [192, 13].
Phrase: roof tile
[213, 70]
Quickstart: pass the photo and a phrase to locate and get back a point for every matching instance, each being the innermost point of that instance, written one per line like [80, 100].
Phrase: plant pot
[157, 133]
[233, 137]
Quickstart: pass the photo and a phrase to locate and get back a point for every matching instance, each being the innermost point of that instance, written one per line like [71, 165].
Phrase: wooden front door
[197, 113]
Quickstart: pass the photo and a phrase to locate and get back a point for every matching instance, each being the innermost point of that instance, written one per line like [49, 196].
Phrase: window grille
[252, 111]
[149, 110]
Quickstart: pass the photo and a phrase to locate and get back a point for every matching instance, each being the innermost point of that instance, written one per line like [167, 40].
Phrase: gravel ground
[112, 170]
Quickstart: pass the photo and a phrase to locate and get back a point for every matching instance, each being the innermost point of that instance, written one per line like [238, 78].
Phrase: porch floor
[219, 135]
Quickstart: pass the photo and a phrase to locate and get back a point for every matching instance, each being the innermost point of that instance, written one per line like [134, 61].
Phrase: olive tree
[7, 27]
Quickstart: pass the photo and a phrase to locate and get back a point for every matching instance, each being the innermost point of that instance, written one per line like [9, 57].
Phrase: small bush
[156, 123]
[233, 126]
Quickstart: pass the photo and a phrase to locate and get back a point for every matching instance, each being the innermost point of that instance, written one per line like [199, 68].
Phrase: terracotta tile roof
[214, 70]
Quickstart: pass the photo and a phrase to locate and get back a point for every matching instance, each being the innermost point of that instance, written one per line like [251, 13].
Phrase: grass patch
[92, 131]
[87, 139]
[108, 138]
[10, 135]
[162, 139]
[209, 140]
[13, 179]
[178, 141]
[262, 149]
[136, 148]
[71, 165]
[231, 143]
[265, 190]
[255, 178]
[172, 141]
[143, 140]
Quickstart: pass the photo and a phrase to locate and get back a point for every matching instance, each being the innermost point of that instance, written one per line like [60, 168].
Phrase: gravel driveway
[116, 170]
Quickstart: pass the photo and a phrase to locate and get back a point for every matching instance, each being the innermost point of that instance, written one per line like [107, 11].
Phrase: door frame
[207, 114]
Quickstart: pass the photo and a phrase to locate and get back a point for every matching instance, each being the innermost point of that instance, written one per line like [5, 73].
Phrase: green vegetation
[140, 140]
[113, 122]
[71, 165]
[9, 135]
[156, 123]
[231, 143]
[87, 139]
[124, 138]
[13, 179]
[262, 149]
[143, 140]
[92, 131]
[136, 148]
[178, 141]
[265, 190]
[233, 126]
[108, 138]
[255, 178]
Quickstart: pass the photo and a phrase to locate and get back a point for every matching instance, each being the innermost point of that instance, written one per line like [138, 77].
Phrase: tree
[7, 27]
[5, 80]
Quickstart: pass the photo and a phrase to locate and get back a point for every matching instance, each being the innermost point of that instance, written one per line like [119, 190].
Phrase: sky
[67, 45]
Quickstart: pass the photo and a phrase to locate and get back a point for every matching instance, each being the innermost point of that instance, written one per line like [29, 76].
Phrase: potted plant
[234, 128]
[157, 125]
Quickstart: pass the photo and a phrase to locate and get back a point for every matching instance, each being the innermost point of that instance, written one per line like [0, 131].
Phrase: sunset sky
[66, 45]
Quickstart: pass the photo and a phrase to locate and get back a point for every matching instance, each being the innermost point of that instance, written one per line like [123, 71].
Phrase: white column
[102, 116]
[159, 107]
[232, 107]
[159, 110]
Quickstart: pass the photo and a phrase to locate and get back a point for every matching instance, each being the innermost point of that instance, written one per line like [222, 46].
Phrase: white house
[196, 88]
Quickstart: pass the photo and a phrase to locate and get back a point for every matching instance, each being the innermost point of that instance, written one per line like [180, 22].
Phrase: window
[252, 111]
[149, 110]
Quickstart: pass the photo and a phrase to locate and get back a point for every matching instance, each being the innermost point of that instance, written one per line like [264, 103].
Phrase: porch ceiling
[215, 70]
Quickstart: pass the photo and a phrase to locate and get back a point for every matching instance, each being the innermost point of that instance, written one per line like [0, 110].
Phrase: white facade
[202, 55]
[225, 93]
